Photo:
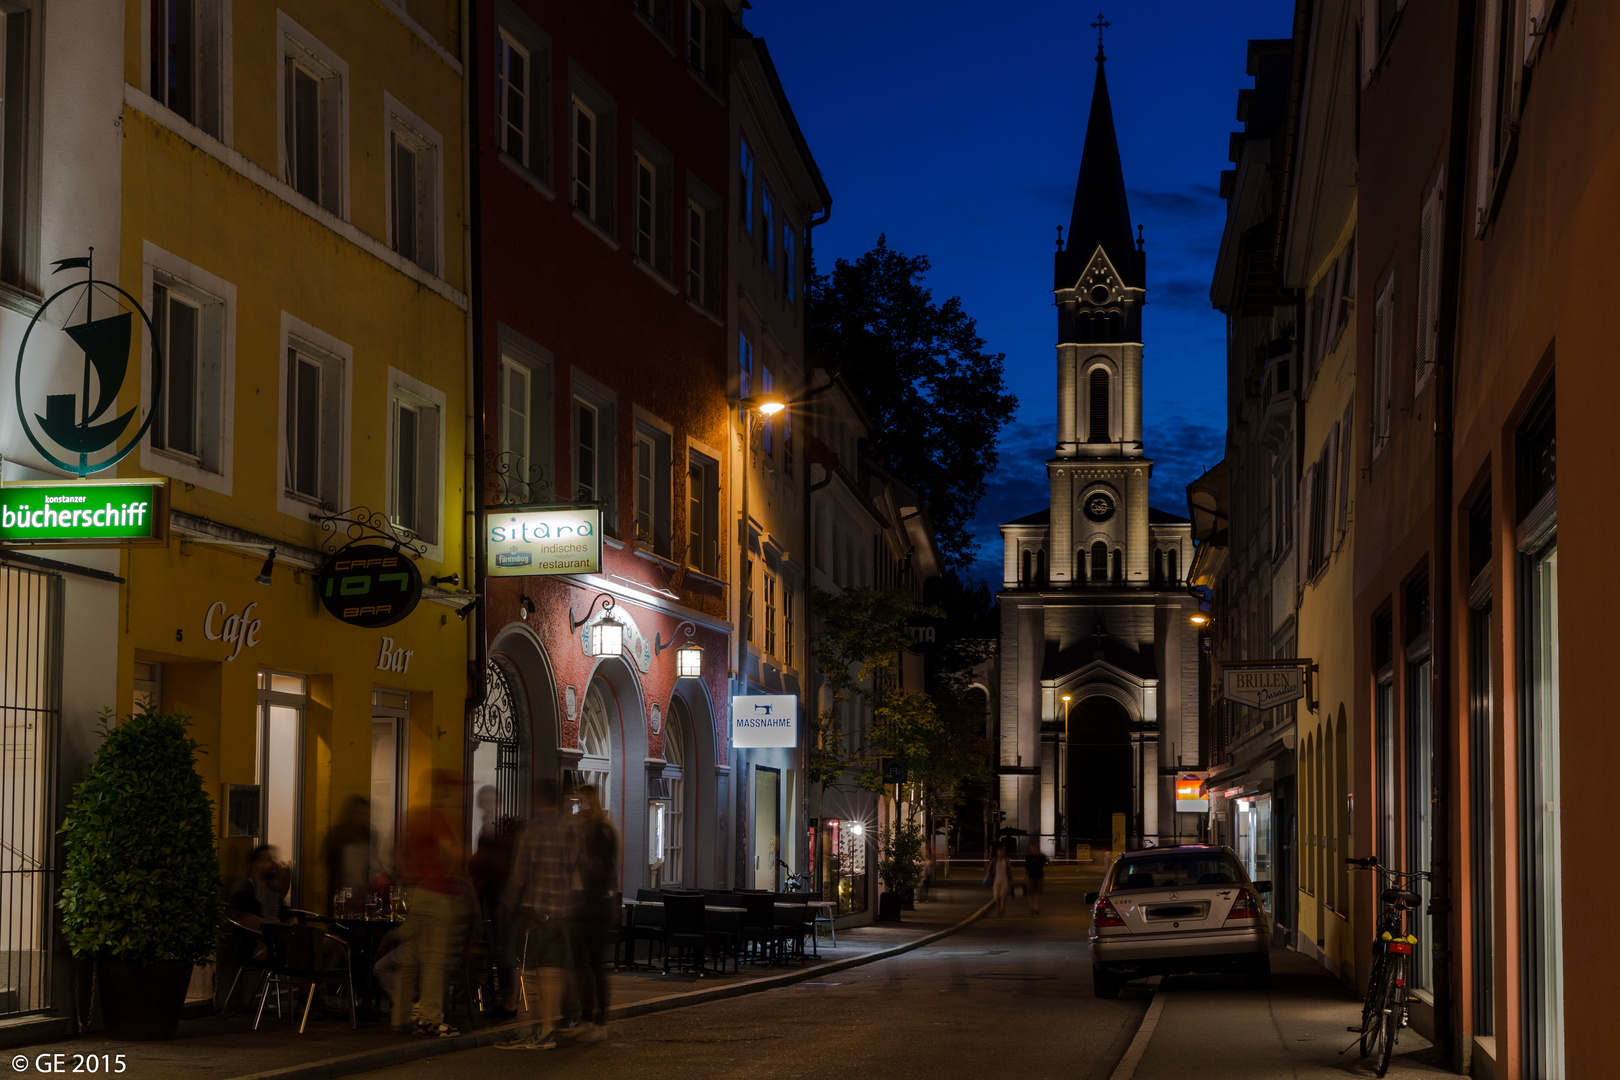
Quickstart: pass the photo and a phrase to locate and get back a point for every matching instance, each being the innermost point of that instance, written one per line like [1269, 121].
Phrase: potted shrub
[140, 882]
[899, 868]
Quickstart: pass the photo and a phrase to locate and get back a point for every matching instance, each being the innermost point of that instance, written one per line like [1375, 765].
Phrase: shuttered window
[1098, 392]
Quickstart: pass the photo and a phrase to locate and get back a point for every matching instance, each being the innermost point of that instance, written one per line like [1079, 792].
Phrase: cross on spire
[1100, 25]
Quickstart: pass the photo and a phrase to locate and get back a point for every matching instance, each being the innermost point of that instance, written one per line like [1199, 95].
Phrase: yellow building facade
[293, 222]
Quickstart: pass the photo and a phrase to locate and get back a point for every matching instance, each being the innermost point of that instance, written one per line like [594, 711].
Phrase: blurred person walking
[429, 863]
[594, 906]
[490, 869]
[1000, 877]
[350, 852]
[1034, 878]
[539, 894]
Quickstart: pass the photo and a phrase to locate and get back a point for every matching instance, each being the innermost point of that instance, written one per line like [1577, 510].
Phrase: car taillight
[1104, 914]
[1244, 907]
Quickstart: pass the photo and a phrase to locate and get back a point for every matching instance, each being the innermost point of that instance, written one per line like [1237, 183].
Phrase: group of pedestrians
[998, 875]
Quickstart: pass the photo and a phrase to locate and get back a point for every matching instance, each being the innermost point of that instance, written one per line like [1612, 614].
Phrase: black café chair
[684, 935]
[795, 922]
[646, 924]
[473, 957]
[294, 952]
[761, 937]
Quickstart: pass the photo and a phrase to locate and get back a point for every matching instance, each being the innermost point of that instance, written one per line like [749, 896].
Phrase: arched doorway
[521, 686]
[669, 849]
[596, 746]
[1099, 767]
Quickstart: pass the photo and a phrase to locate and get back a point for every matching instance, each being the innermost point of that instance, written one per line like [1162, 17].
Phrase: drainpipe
[476, 688]
[1442, 666]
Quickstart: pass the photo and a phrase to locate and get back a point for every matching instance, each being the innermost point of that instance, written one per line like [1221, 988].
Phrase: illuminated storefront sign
[369, 585]
[529, 543]
[1190, 797]
[1263, 687]
[82, 512]
[764, 720]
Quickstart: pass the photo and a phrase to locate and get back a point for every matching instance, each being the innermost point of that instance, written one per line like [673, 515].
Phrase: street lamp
[1198, 618]
[1063, 790]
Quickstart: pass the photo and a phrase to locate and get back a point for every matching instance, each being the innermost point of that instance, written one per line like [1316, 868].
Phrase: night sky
[955, 127]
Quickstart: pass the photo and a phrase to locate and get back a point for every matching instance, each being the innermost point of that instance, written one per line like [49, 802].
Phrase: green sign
[85, 511]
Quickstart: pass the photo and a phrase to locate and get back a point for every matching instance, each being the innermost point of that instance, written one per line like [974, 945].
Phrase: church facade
[1099, 661]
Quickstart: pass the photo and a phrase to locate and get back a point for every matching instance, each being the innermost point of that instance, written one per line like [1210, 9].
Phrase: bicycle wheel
[1394, 1004]
[1372, 1008]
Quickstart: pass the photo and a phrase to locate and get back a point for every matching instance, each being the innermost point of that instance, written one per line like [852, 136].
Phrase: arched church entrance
[1099, 767]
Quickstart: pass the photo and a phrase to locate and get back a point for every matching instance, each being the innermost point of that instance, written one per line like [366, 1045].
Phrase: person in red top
[429, 866]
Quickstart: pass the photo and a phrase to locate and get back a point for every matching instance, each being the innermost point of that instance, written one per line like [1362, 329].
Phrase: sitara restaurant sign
[532, 542]
[764, 720]
[82, 512]
[1263, 687]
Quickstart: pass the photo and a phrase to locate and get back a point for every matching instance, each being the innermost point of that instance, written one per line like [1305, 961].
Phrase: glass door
[281, 771]
[767, 826]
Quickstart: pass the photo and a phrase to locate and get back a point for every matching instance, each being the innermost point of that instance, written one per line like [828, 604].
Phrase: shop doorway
[498, 758]
[390, 722]
[30, 714]
[282, 700]
[1099, 768]
[767, 826]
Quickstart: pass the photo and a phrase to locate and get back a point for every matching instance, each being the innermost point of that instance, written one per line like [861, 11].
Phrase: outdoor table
[363, 936]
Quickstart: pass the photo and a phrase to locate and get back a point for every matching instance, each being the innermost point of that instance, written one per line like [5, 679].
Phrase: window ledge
[653, 556]
[705, 312]
[704, 82]
[656, 30]
[528, 177]
[612, 541]
[601, 233]
[653, 272]
[21, 301]
[694, 572]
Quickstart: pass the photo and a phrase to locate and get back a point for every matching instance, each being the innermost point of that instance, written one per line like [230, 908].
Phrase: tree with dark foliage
[936, 398]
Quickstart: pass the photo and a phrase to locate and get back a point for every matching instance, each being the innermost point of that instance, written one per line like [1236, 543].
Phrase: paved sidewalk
[214, 1048]
[1212, 1026]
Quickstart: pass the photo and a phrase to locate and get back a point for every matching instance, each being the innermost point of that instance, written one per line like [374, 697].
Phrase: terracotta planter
[142, 1001]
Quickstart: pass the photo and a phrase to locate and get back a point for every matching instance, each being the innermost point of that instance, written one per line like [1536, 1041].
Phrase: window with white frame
[313, 111]
[767, 225]
[767, 424]
[652, 464]
[697, 36]
[748, 599]
[526, 427]
[522, 92]
[19, 147]
[655, 14]
[787, 263]
[314, 414]
[415, 426]
[591, 139]
[703, 513]
[646, 236]
[188, 327]
[1383, 365]
[1346, 439]
[745, 185]
[770, 614]
[594, 467]
[745, 366]
[787, 623]
[675, 772]
[185, 57]
[512, 97]
[413, 188]
[697, 234]
[1428, 289]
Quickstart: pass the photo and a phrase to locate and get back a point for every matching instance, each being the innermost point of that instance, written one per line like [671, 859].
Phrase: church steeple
[1101, 214]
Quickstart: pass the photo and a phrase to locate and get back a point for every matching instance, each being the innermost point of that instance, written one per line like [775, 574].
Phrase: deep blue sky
[955, 127]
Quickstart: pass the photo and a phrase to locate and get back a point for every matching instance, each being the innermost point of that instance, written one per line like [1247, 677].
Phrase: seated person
[258, 898]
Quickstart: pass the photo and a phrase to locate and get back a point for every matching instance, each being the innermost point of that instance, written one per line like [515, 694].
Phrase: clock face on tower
[1099, 507]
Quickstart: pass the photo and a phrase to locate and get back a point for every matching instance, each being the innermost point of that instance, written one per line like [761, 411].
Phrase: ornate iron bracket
[607, 605]
[511, 480]
[362, 523]
[659, 644]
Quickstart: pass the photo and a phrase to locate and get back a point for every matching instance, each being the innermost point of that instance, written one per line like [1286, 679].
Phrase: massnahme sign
[1263, 687]
[764, 720]
[82, 512]
[528, 543]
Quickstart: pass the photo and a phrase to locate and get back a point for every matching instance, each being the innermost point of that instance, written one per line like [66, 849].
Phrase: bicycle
[792, 882]
[1383, 1011]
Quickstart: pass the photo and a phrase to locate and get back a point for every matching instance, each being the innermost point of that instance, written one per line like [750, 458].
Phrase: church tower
[1098, 474]
[1098, 664]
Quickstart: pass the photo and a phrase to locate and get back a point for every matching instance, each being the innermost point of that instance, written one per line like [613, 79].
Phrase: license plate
[1400, 946]
[1175, 911]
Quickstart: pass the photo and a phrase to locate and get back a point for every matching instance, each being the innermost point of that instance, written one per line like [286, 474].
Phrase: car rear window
[1171, 871]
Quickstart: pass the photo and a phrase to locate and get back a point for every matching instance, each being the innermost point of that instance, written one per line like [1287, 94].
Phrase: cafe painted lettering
[241, 631]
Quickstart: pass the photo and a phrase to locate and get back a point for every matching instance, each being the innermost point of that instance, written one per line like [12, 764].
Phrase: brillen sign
[84, 512]
[1263, 687]
[529, 543]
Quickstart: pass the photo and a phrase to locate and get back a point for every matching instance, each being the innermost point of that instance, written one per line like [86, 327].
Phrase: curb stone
[416, 1049]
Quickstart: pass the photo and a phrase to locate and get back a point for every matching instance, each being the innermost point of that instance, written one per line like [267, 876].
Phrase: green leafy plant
[900, 857]
[141, 880]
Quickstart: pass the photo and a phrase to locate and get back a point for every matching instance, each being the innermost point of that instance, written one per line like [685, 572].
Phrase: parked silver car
[1175, 909]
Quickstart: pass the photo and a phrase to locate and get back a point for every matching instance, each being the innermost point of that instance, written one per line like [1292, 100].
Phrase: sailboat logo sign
[83, 432]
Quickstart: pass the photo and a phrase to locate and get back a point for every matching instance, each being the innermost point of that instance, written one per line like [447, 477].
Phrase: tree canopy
[936, 397]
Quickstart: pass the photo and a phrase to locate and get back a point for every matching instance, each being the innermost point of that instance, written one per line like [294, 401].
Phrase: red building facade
[601, 171]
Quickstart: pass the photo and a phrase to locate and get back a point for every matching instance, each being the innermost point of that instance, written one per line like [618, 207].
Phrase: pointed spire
[1101, 214]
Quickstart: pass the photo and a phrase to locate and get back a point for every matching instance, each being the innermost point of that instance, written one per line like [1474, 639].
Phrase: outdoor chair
[246, 941]
[796, 923]
[761, 937]
[469, 960]
[295, 954]
[647, 924]
[684, 935]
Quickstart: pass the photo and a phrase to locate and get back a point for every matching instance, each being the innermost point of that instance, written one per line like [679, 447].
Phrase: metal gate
[30, 709]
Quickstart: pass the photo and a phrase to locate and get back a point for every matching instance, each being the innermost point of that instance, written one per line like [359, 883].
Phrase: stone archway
[512, 754]
[613, 693]
[1099, 765]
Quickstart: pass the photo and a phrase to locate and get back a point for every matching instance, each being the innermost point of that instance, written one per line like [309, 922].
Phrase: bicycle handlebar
[1371, 863]
[1366, 864]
